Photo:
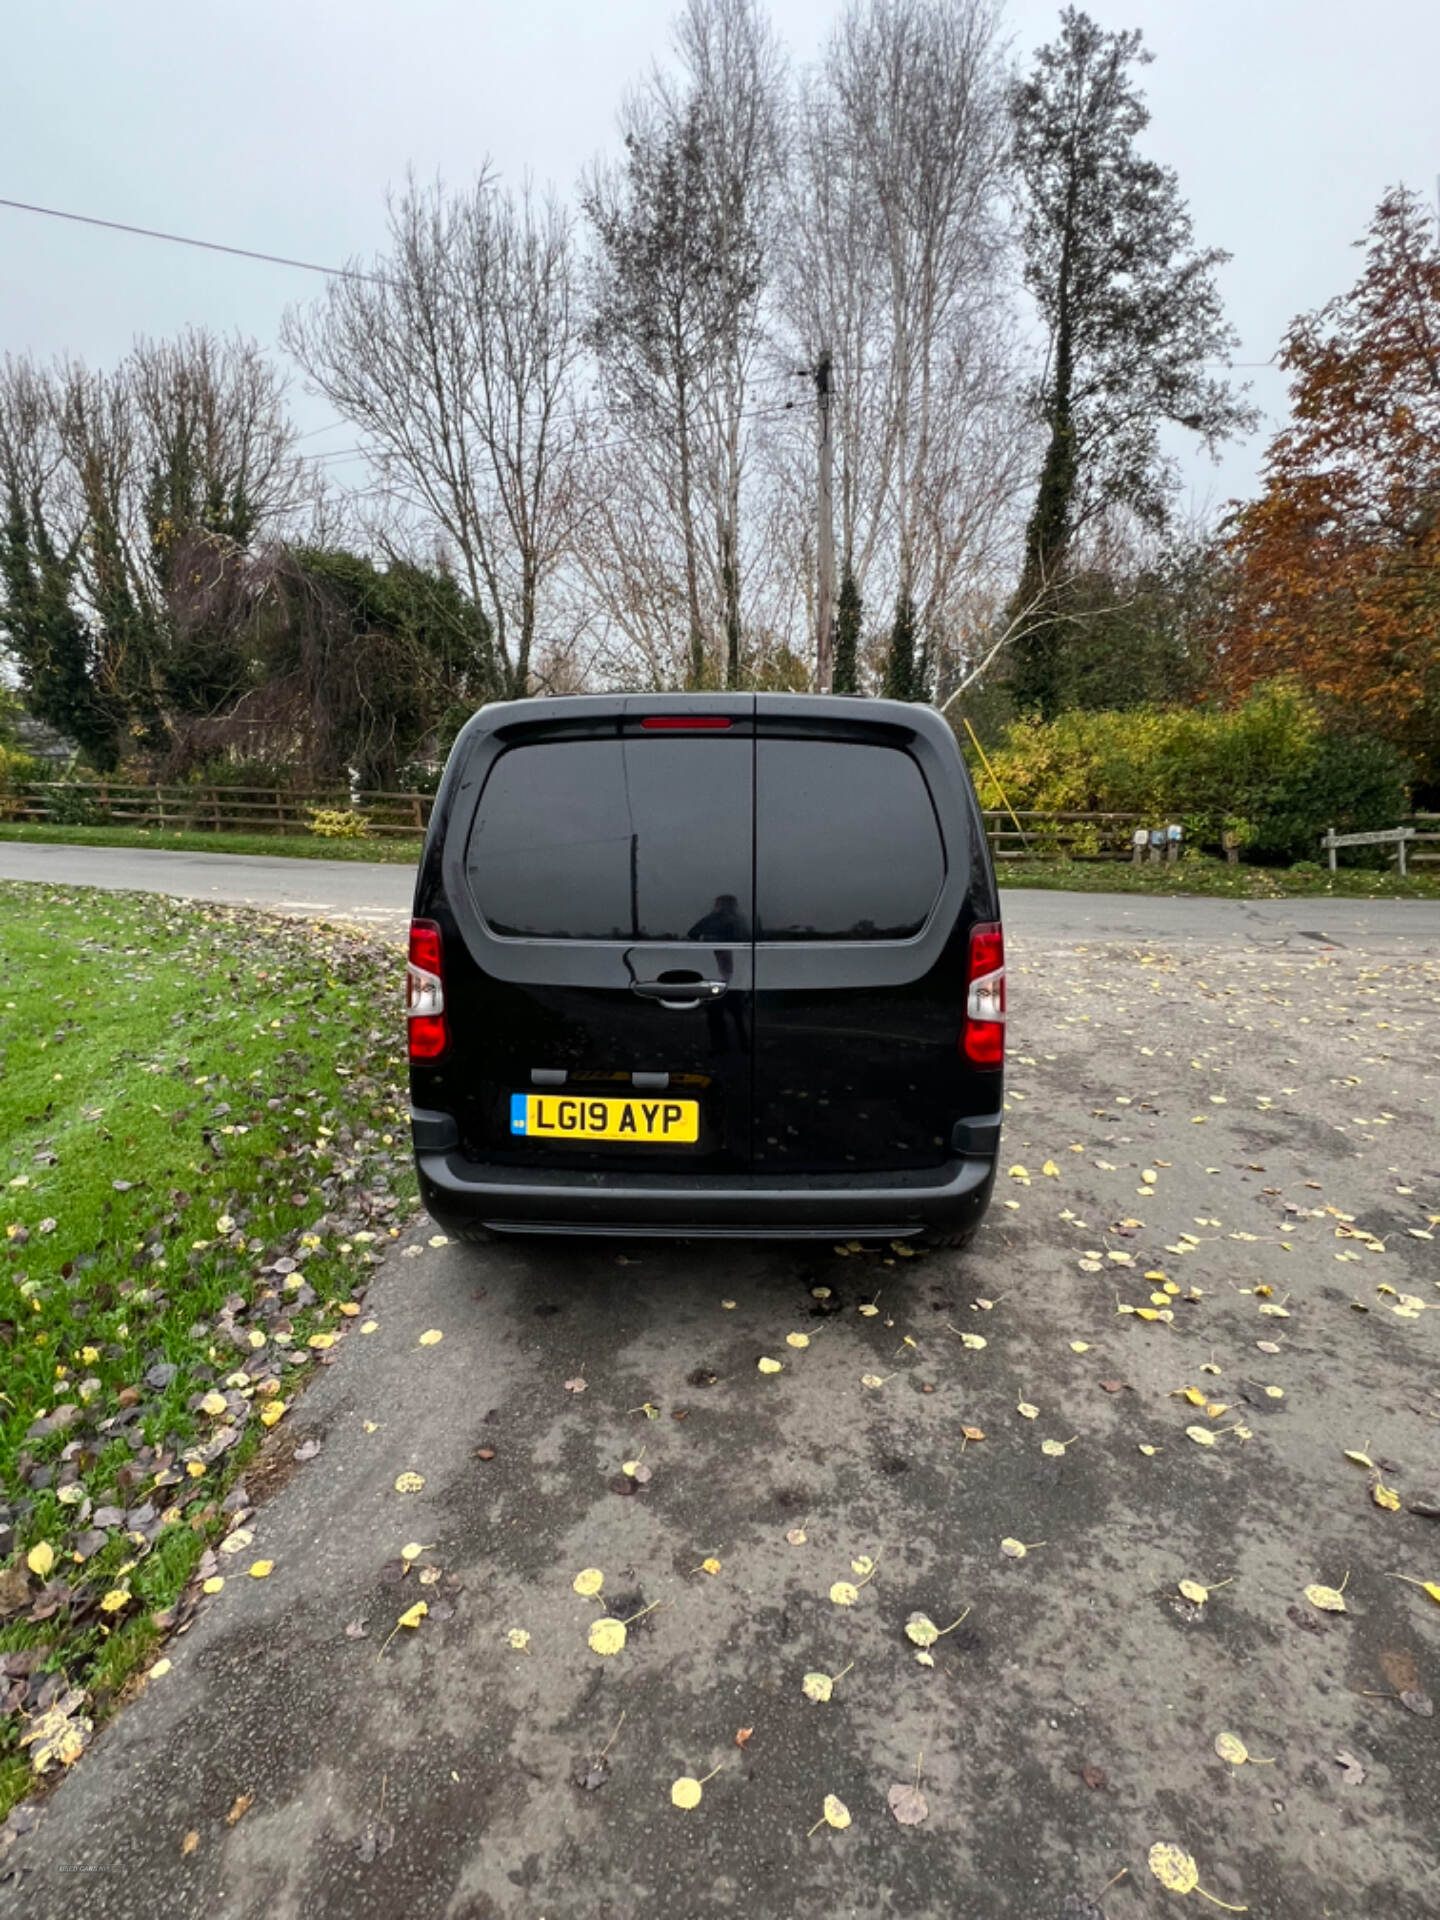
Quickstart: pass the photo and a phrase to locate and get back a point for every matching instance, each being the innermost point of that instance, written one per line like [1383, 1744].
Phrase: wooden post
[1232, 849]
[159, 804]
[1329, 841]
[419, 817]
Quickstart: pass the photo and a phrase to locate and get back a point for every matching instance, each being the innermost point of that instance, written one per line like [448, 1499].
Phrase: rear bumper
[949, 1199]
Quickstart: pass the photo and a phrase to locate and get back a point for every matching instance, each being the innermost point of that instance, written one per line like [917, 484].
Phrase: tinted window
[617, 840]
[847, 845]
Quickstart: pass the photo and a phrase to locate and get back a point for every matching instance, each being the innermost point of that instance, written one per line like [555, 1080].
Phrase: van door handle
[679, 993]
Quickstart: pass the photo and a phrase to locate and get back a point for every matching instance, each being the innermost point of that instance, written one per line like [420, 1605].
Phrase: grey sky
[277, 125]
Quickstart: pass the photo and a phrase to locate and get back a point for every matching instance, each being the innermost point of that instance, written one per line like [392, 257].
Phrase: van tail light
[425, 992]
[983, 1039]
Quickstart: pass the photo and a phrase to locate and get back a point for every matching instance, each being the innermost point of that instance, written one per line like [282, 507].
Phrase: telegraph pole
[825, 643]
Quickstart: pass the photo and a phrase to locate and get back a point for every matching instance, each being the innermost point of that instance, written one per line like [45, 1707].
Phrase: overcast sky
[279, 124]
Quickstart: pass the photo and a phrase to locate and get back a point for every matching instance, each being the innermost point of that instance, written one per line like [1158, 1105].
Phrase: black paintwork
[828, 1069]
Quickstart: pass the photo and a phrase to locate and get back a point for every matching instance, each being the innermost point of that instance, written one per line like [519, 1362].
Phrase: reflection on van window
[617, 840]
[847, 844]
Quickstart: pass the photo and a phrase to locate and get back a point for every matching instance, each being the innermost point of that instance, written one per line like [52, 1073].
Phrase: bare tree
[115, 470]
[683, 230]
[457, 359]
[899, 261]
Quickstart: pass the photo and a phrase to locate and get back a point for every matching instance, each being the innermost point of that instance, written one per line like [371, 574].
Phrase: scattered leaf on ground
[1328, 1599]
[908, 1803]
[834, 1814]
[606, 1636]
[1175, 1869]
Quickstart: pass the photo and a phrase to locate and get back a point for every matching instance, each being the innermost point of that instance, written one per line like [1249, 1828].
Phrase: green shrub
[15, 769]
[72, 803]
[1266, 771]
[225, 772]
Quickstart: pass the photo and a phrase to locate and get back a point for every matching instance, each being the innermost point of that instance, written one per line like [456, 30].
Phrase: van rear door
[603, 886]
[864, 857]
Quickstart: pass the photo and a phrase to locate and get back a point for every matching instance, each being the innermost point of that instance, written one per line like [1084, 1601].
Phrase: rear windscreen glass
[846, 842]
[617, 840]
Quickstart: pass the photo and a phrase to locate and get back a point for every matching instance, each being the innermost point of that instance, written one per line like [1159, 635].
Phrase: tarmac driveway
[1241, 1141]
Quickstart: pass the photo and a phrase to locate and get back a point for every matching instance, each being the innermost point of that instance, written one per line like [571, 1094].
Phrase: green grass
[392, 849]
[187, 1094]
[1197, 873]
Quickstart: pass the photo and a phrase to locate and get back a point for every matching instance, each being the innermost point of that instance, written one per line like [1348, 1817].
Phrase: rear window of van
[847, 846]
[711, 840]
[617, 840]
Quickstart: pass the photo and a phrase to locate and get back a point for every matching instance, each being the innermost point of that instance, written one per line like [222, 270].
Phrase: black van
[707, 964]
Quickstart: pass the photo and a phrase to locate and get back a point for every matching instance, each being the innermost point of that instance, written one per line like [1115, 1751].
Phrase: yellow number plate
[549, 1116]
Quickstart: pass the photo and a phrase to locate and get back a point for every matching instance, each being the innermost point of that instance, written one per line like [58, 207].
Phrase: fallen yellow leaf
[606, 1636]
[1328, 1599]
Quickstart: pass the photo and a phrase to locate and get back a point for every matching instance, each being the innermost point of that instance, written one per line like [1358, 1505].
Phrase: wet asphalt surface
[1069, 1721]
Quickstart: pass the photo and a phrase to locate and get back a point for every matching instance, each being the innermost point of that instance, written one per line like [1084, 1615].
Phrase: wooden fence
[221, 809]
[1424, 849]
[1074, 836]
[200, 809]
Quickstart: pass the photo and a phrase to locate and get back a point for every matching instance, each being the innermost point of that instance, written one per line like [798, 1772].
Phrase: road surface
[380, 896]
[1233, 1131]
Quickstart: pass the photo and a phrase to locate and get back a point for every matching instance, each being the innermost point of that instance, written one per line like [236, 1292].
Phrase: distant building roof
[33, 736]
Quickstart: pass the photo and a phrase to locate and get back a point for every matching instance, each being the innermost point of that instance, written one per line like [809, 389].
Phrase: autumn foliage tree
[1338, 561]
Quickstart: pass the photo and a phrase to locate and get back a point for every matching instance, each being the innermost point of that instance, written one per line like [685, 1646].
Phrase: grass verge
[204, 1149]
[389, 849]
[1198, 874]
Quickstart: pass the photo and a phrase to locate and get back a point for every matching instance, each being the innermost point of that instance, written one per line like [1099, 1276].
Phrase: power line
[184, 240]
